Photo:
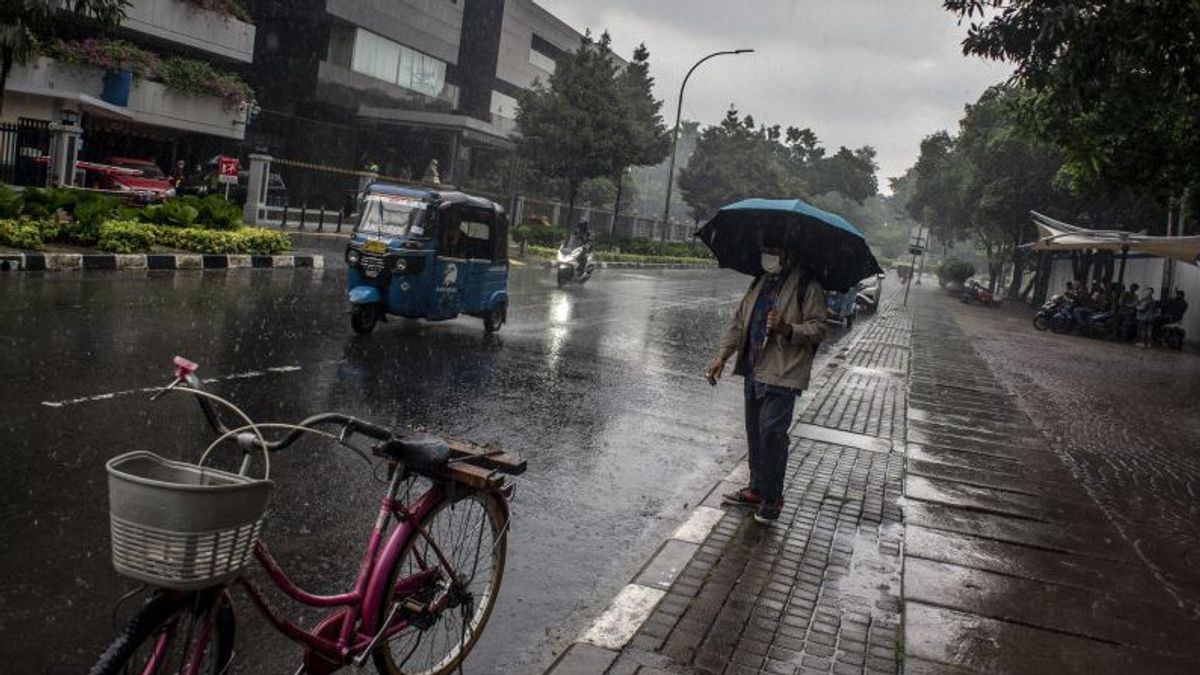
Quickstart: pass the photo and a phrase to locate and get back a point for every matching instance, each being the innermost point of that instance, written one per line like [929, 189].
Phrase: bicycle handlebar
[351, 424]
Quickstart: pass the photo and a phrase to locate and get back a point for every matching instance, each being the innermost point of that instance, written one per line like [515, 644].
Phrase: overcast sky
[884, 73]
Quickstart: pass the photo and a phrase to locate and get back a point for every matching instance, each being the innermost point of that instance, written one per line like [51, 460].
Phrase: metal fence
[601, 221]
[25, 152]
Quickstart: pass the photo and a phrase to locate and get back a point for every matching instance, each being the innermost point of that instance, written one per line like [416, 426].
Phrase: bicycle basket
[179, 525]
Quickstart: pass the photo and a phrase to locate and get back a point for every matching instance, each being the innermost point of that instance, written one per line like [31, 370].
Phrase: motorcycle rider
[581, 237]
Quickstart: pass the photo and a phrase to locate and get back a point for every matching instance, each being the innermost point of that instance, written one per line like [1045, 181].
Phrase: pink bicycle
[428, 580]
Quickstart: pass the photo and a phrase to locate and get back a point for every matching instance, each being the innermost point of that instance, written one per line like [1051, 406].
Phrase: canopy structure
[1055, 235]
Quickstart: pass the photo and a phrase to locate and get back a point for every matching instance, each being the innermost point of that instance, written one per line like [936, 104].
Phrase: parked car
[141, 177]
[276, 189]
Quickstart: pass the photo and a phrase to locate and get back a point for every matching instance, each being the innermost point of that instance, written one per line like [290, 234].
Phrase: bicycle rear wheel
[160, 638]
[473, 535]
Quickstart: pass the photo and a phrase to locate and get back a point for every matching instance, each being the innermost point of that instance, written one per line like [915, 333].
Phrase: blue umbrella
[825, 244]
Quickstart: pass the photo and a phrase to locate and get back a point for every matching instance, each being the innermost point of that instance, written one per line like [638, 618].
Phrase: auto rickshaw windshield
[392, 216]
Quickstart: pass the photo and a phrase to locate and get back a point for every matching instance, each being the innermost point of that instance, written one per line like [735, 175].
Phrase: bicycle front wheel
[473, 536]
[166, 632]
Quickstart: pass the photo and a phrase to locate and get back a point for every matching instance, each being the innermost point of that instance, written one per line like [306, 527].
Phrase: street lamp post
[675, 134]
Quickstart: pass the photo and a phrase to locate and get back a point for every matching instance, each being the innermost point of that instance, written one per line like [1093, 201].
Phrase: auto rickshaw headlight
[352, 256]
[401, 264]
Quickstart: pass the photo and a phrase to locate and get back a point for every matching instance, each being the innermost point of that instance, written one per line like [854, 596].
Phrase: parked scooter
[575, 264]
[977, 292]
[1041, 320]
[1169, 334]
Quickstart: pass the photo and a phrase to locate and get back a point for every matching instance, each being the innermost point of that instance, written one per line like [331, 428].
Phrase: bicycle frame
[350, 634]
[358, 625]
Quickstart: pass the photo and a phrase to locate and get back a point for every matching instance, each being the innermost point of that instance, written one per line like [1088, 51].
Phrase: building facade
[146, 116]
[393, 85]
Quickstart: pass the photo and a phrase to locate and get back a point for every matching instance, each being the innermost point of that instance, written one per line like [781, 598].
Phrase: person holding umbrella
[794, 251]
[774, 332]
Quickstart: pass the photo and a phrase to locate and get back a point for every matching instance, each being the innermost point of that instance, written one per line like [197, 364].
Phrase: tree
[1114, 85]
[735, 160]
[983, 183]
[646, 141]
[24, 22]
[573, 128]
[850, 173]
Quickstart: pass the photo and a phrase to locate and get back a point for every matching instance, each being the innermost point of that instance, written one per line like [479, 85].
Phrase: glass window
[504, 105]
[393, 216]
[375, 56]
[541, 60]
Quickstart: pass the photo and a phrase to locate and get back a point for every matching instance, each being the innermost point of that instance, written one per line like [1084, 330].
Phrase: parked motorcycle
[1169, 334]
[867, 298]
[977, 292]
[575, 264]
[1041, 320]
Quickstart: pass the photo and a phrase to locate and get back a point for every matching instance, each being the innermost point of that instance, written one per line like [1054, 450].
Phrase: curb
[74, 262]
[595, 650]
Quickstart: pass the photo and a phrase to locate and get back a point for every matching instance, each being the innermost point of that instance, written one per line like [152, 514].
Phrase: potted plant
[119, 59]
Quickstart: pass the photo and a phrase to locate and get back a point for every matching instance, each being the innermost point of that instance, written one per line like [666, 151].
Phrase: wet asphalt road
[599, 387]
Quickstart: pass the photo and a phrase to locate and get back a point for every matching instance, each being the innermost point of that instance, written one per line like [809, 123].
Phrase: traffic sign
[227, 169]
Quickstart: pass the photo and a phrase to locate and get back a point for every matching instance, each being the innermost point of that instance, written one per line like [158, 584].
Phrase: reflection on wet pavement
[1021, 555]
[599, 387]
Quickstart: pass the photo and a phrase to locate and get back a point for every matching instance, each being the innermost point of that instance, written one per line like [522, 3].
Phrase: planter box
[149, 102]
[184, 23]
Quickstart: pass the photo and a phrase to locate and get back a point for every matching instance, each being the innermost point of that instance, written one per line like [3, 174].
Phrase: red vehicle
[141, 177]
[977, 292]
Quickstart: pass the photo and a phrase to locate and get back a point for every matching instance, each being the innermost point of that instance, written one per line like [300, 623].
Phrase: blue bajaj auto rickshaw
[425, 254]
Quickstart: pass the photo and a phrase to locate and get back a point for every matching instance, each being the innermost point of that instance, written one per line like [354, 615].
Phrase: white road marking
[150, 390]
[696, 528]
[623, 617]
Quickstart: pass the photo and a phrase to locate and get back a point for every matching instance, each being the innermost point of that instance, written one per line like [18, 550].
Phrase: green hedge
[953, 270]
[131, 236]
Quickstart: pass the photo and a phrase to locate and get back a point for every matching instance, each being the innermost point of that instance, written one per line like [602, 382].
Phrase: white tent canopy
[1055, 235]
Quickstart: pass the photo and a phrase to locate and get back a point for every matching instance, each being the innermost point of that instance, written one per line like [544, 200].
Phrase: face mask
[770, 263]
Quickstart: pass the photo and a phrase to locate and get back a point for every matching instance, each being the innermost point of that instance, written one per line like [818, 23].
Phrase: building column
[64, 150]
[256, 189]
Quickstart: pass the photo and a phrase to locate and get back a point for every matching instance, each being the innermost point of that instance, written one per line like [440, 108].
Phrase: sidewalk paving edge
[622, 619]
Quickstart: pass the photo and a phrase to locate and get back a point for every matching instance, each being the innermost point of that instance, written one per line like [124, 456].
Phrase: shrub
[173, 212]
[111, 55]
[126, 236]
[93, 209]
[20, 234]
[216, 212]
[10, 202]
[953, 270]
[198, 78]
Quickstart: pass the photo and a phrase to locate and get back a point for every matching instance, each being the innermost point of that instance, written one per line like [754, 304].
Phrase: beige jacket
[786, 361]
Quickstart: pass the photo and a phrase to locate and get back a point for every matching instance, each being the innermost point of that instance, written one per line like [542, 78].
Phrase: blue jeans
[767, 422]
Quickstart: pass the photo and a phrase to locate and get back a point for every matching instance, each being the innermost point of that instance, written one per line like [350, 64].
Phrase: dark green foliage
[1115, 86]
[953, 270]
[10, 202]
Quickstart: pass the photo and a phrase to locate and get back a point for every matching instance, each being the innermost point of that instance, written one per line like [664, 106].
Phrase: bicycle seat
[418, 451]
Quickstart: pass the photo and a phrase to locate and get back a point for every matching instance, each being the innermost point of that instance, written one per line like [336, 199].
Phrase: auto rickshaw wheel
[495, 318]
[363, 318]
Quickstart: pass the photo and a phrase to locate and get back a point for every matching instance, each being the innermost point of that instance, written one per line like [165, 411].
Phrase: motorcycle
[1169, 334]
[1041, 320]
[977, 292]
[575, 264]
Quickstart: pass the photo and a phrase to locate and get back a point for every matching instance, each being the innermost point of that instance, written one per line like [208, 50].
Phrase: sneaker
[744, 497]
[768, 512]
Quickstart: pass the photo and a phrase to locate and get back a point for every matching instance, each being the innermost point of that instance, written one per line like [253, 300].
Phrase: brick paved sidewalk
[819, 591]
